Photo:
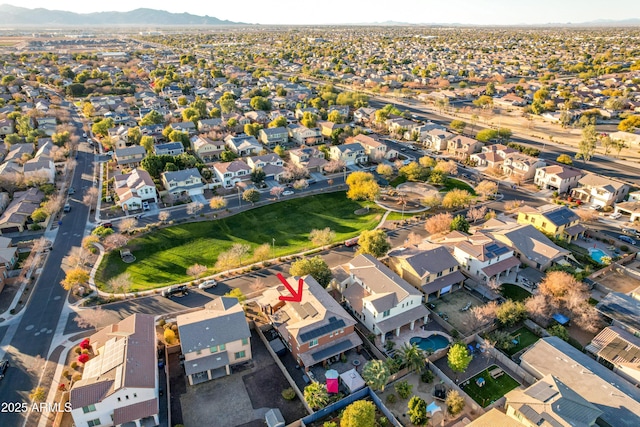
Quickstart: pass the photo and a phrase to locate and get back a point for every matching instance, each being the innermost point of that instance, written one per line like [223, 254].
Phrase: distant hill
[12, 16]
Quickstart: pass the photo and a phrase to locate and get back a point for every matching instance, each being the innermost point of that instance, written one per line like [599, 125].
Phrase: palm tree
[376, 374]
[412, 357]
[316, 396]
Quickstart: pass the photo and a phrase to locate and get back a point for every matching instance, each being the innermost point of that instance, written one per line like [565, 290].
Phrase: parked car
[4, 365]
[175, 290]
[615, 215]
[105, 224]
[208, 284]
[145, 206]
[287, 193]
[311, 181]
[67, 208]
[84, 135]
[626, 239]
[71, 191]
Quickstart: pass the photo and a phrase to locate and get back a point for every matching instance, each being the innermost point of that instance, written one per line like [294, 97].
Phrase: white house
[188, 181]
[559, 178]
[304, 135]
[134, 188]
[350, 154]
[231, 173]
[119, 384]
[383, 301]
[521, 166]
[243, 145]
[271, 164]
[484, 258]
[599, 190]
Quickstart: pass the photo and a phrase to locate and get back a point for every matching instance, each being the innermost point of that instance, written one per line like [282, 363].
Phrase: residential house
[631, 139]
[632, 208]
[41, 168]
[350, 154]
[232, 173]
[134, 188]
[207, 125]
[271, 164]
[214, 339]
[8, 259]
[492, 156]
[557, 221]
[19, 151]
[6, 127]
[462, 146]
[510, 100]
[327, 128]
[364, 115]
[187, 127]
[274, 136]
[401, 125]
[130, 156]
[187, 181]
[169, 149]
[316, 330]
[378, 297]
[428, 267]
[521, 167]
[119, 383]
[622, 310]
[484, 258]
[618, 399]
[308, 157]
[18, 214]
[375, 149]
[207, 149]
[559, 178]
[531, 246]
[619, 350]
[305, 136]
[599, 190]
[436, 139]
[243, 145]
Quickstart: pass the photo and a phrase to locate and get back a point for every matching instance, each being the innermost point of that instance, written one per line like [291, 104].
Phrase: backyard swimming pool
[597, 254]
[432, 343]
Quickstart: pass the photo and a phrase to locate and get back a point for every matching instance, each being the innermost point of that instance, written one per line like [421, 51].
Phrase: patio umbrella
[433, 407]
[331, 374]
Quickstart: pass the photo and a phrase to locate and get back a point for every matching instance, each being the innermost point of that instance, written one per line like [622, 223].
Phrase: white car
[208, 284]
[287, 193]
[145, 206]
[615, 215]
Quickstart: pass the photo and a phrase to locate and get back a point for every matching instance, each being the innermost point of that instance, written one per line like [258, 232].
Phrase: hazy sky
[482, 12]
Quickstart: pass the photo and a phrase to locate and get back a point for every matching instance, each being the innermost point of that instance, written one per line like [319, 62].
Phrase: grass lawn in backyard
[22, 256]
[492, 390]
[514, 292]
[525, 338]
[163, 256]
[451, 183]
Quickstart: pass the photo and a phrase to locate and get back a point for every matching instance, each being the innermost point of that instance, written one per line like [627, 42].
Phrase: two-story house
[134, 188]
[484, 258]
[169, 149]
[315, 330]
[243, 145]
[207, 125]
[187, 181]
[186, 127]
[618, 349]
[206, 148]
[274, 136]
[462, 147]
[383, 301]
[271, 164]
[303, 135]
[374, 149]
[308, 157]
[428, 267]
[599, 190]
[214, 339]
[436, 139]
[130, 156]
[232, 173]
[492, 156]
[8, 259]
[41, 168]
[119, 383]
[521, 167]
[558, 178]
[553, 220]
[350, 154]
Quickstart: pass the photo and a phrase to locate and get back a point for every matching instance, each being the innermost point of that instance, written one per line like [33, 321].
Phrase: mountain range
[12, 16]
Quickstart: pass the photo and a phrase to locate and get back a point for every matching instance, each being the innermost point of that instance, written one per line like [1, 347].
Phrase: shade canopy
[433, 407]
[332, 385]
[331, 374]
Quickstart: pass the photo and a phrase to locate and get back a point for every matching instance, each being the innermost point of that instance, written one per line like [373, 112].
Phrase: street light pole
[344, 174]
[239, 199]
[273, 246]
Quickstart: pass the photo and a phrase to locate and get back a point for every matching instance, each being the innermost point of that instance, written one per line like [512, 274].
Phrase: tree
[563, 158]
[587, 145]
[504, 134]
[196, 270]
[152, 118]
[322, 237]
[373, 242]
[236, 293]
[427, 162]
[121, 283]
[92, 318]
[252, 195]
[438, 223]
[361, 413]
[262, 252]
[239, 251]
[280, 121]
[74, 277]
[456, 199]
[458, 125]
[308, 119]
[362, 186]
[316, 267]
[459, 223]
[252, 129]
[114, 240]
[511, 312]
[433, 200]
[629, 124]
[217, 202]
[486, 135]
[147, 142]
[474, 214]
[335, 117]
[376, 374]
[260, 103]
[385, 170]
[301, 184]
[102, 127]
[455, 402]
[458, 358]
[276, 191]
[89, 242]
[134, 135]
[127, 225]
[414, 172]
[279, 150]
[446, 167]
[316, 396]
[163, 216]
[418, 411]
[412, 357]
[38, 395]
[487, 189]
[559, 331]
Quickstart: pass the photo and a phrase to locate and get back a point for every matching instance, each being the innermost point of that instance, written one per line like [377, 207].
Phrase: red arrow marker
[295, 296]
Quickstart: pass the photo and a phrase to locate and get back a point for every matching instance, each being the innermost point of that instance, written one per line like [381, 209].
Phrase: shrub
[162, 322]
[330, 424]
[83, 358]
[403, 388]
[77, 377]
[169, 336]
[391, 398]
[74, 365]
[455, 402]
[65, 373]
[426, 376]
[85, 344]
[624, 248]
[62, 386]
[383, 421]
[77, 350]
[288, 394]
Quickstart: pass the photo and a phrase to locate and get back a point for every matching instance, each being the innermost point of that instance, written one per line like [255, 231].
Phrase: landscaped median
[163, 256]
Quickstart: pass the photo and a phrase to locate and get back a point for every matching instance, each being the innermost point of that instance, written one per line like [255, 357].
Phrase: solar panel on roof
[322, 330]
[501, 250]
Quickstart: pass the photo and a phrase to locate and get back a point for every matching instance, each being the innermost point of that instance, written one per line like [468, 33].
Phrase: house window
[212, 349]
[92, 423]
[245, 341]
[313, 343]
[439, 274]
[544, 225]
[240, 354]
[386, 313]
[89, 408]
[451, 269]
[222, 347]
[135, 395]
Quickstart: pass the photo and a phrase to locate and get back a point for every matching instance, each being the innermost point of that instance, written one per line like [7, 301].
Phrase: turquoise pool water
[597, 254]
[432, 343]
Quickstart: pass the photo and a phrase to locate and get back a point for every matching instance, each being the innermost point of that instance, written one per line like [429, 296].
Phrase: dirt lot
[619, 281]
[452, 304]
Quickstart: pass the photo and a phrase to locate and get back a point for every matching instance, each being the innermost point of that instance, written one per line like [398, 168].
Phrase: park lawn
[492, 390]
[451, 183]
[163, 256]
[514, 292]
[526, 339]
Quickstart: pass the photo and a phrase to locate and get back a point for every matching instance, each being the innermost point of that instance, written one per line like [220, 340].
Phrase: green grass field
[525, 338]
[492, 390]
[163, 256]
[451, 183]
[514, 292]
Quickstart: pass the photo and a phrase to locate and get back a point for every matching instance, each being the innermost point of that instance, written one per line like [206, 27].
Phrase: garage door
[446, 290]
[9, 230]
